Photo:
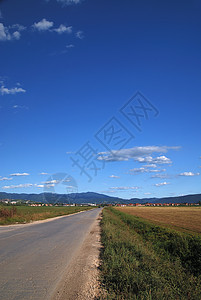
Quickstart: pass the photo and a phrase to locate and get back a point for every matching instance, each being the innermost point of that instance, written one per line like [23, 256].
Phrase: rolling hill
[91, 197]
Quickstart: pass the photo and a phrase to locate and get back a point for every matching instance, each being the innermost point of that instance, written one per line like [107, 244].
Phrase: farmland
[182, 218]
[144, 260]
[26, 214]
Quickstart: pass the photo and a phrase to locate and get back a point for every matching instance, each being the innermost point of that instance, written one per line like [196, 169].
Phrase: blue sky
[100, 96]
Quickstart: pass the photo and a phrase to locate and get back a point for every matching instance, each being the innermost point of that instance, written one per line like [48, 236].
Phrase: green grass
[141, 260]
[26, 214]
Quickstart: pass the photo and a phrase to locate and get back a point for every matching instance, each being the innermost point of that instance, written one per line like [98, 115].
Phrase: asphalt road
[34, 258]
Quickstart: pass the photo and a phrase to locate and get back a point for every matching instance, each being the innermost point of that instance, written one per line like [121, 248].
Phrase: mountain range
[91, 197]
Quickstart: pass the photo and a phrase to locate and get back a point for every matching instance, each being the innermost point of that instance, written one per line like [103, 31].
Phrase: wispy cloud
[140, 154]
[25, 185]
[52, 182]
[40, 185]
[68, 47]
[43, 173]
[114, 176]
[49, 185]
[166, 176]
[138, 170]
[145, 170]
[150, 166]
[107, 191]
[19, 107]
[18, 27]
[11, 91]
[162, 184]
[157, 160]
[124, 188]
[46, 185]
[69, 2]
[79, 34]
[162, 176]
[157, 171]
[189, 174]
[20, 174]
[6, 178]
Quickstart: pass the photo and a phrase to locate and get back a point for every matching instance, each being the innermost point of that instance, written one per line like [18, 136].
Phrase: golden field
[183, 218]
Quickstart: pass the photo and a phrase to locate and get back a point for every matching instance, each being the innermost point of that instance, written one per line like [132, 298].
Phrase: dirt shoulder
[81, 281]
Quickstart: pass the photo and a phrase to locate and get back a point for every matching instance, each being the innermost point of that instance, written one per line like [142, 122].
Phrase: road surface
[34, 258]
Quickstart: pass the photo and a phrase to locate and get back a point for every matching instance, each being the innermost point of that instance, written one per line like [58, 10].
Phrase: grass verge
[141, 260]
[26, 214]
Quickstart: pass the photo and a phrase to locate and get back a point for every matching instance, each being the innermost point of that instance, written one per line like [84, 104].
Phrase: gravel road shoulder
[81, 281]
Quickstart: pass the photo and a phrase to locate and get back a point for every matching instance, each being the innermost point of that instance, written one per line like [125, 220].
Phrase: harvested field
[184, 218]
[26, 214]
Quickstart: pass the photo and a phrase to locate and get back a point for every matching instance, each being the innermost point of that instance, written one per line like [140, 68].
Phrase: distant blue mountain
[91, 197]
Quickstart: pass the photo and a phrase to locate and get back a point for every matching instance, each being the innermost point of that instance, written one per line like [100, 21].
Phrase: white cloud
[68, 47]
[70, 186]
[139, 170]
[43, 173]
[157, 171]
[114, 176]
[66, 180]
[51, 182]
[11, 91]
[69, 2]
[17, 35]
[150, 166]
[162, 176]
[40, 185]
[18, 27]
[63, 29]
[157, 160]
[145, 170]
[123, 188]
[20, 174]
[25, 185]
[107, 192]
[6, 35]
[140, 154]
[6, 178]
[79, 34]
[161, 184]
[19, 106]
[43, 25]
[147, 193]
[189, 174]
[49, 185]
